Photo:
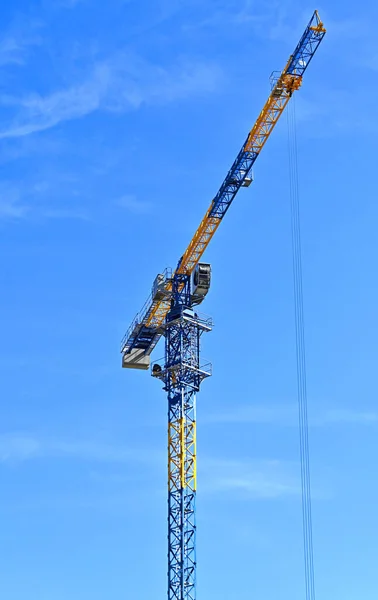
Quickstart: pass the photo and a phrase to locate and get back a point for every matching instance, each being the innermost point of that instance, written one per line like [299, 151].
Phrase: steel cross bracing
[288, 81]
[170, 313]
[181, 375]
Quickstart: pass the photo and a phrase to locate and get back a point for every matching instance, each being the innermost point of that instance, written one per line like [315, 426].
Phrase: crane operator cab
[200, 283]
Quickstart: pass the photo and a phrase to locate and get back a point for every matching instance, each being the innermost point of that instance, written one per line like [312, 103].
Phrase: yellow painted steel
[256, 140]
[199, 242]
[174, 453]
[269, 117]
[158, 311]
[183, 452]
[182, 456]
[191, 475]
[320, 26]
[257, 137]
[286, 84]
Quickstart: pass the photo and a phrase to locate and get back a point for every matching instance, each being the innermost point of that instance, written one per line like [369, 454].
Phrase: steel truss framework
[182, 375]
[171, 315]
[288, 81]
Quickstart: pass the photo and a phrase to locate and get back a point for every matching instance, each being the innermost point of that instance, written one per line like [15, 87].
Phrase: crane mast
[170, 312]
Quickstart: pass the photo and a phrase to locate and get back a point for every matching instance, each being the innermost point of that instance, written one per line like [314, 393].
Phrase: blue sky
[117, 125]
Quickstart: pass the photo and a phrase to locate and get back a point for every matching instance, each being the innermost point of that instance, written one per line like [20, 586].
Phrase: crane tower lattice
[170, 312]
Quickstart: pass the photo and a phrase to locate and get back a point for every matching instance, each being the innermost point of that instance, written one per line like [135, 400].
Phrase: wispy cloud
[239, 18]
[88, 450]
[64, 213]
[287, 416]
[19, 201]
[11, 204]
[10, 209]
[16, 447]
[134, 205]
[120, 84]
[253, 479]
[16, 43]
[11, 52]
[340, 416]
[258, 479]
[283, 415]
[244, 478]
[69, 3]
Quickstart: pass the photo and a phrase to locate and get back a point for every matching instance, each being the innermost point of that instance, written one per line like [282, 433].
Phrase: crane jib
[145, 331]
[307, 46]
[234, 180]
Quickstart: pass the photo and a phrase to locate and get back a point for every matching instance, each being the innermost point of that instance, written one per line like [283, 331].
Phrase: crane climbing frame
[169, 312]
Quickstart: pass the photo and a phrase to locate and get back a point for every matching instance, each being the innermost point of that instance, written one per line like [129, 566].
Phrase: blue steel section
[181, 290]
[232, 182]
[307, 46]
[182, 375]
[243, 163]
[296, 66]
[138, 335]
[181, 512]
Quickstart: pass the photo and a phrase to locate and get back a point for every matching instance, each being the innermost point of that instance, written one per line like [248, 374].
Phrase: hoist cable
[300, 354]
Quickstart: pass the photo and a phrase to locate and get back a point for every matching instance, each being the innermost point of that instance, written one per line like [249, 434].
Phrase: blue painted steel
[181, 508]
[182, 375]
[233, 182]
[181, 290]
[243, 163]
[238, 172]
[306, 48]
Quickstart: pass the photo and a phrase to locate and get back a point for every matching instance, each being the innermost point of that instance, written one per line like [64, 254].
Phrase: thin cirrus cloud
[259, 479]
[18, 447]
[118, 85]
[11, 205]
[255, 479]
[12, 52]
[69, 3]
[11, 209]
[19, 201]
[16, 44]
[132, 204]
[287, 415]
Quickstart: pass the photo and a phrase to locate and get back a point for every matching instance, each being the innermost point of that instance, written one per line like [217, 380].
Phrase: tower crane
[170, 311]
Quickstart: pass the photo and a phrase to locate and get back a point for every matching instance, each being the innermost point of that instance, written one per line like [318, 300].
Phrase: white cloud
[64, 213]
[15, 447]
[339, 416]
[11, 52]
[88, 450]
[287, 415]
[252, 479]
[283, 415]
[16, 43]
[20, 201]
[10, 209]
[69, 3]
[10, 202]
[117, 85]
[132, 204]
[238, 18]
